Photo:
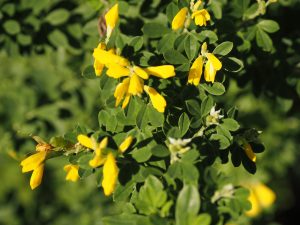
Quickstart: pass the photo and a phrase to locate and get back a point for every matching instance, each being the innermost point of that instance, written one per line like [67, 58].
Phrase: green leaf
[58, 39]
[232, 64]
[190, 173]
[193, 107]
[221, 139]
[155, 118]
[191, 46]
[160, 151]
[175, 57]
[151, 196]
[206, 106]
[166, 43]
[12, 27]
[203, 219]
[58, 17]
[230, 124]
[187, 205]
[216, 8]
[122, 192]
[141, 119]
[24, 39]
[269, 26]
[224, 48]
[91, 28]
[263, 40]
[142, 154]
[183, 124]
[172, 10]
[137, 43]
[215, 89]
[126, 219]
[207, 34]
[89, 72]
[154, 30]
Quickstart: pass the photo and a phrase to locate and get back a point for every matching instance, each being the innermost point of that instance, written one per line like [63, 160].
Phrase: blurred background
[44, 45]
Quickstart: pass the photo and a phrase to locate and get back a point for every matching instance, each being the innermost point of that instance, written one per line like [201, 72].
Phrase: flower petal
[196, 71]
[111, 18]
[72, 172]
[158, 101]
[125, 144]
[214, 60]
[37, 176]
[249, 152]
[86, 141]
[164, 71]
[179, 19]
[140, 72]
[126, 101]
[98, 67]
[97, 161]
[121, 90]
[209, 72]
[107, 57]
[110, 175]
[116, 71]
[135, 85]
[33, 161]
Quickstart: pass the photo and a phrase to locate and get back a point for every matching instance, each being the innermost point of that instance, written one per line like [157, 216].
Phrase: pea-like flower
[107, 159]
[35, 163]
[133, 83]
[249, 151]
[111, 18]
[261, 197]
[212, 65]
[72, 172]
[183, 17]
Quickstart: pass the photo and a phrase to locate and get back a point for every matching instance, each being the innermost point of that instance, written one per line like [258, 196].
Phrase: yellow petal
[116, 71]
[179, 19]
[135, 85]
[103, 143]
[126, 101]
[204, 48]
[72, 172]
[36, 176]
[196, 71]
[255, 206]
[214, 60]
[33, 161]
[98, 67]
[260, 197]
[197, 4]
[201, 17]
[107, 57]
[249, 152]
[86, 141]
[125, 144]
[265, 195]
[164, 71]
[209, 72]
[121, 90]
[97, 161]
[110, 175]
[140, 72]
[111, 18]
[158, 101]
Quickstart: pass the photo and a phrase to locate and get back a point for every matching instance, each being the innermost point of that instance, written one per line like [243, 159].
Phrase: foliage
[177, 167]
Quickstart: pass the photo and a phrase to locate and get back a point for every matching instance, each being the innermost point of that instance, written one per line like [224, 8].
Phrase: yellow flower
[196, 71]
[201, 17]
[97, 65]
[125, 144]
[158, 101]
[212, 65]
[261, 197]
[179, 19]
[249, 152]
[91, 143]
[34, 163]
[72, 172]
[110, 175]
[133, 84]
[111, 18]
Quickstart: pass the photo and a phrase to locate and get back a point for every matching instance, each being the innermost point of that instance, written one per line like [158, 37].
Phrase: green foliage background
[44, 46]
